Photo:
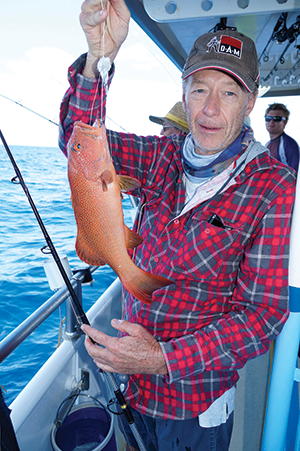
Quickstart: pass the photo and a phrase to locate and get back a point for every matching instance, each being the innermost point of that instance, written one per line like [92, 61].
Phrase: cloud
[139, 57]
[38, 81]
[43, 62]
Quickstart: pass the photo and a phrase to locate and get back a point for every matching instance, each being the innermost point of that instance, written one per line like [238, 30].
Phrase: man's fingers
[93, 13]
[94, 5]
[92, 19]
[96, 335]
[132, 329]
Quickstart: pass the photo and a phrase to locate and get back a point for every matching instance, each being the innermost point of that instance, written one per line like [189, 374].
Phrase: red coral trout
[102, 236]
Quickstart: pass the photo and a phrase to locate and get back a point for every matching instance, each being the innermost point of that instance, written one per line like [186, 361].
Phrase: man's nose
[212, 105]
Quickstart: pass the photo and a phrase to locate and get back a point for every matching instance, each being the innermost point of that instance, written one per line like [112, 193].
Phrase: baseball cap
[226, 50]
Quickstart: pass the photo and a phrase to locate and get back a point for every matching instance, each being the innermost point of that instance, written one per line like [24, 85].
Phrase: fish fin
[132, 239]
[86, 254]
[106, 178]
[127, 183]
[144, 284]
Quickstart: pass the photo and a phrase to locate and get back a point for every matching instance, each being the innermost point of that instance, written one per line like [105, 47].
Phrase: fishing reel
[280, 29]
[285, 33]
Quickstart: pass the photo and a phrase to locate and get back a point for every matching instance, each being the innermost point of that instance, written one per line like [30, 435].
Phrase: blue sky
[40, 39]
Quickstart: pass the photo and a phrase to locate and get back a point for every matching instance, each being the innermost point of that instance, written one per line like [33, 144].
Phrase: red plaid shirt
[229, 298]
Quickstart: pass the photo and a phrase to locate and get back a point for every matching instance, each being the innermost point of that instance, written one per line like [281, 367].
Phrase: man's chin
[201, 150]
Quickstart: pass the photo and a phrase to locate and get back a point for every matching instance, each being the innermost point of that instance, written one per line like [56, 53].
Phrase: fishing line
[105, 26]
[102, 69]
[103, 66]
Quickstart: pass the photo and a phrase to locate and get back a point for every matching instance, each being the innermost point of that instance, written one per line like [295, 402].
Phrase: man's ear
[251, 103]
[183, 102]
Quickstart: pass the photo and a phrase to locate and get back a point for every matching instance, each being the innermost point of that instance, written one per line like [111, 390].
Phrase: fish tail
[144, 284]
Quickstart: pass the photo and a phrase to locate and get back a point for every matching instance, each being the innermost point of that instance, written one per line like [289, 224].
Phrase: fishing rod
[26, 108]
[49, 120]
[291, 34]
[80, 315]
[292, 69]
[278, 30]
[78, 310]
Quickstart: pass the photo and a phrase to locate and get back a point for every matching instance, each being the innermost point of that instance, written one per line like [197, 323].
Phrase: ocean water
[23, 283]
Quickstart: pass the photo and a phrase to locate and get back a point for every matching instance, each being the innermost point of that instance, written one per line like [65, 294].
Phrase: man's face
[216, 107]
[169, 129]
[275, 128]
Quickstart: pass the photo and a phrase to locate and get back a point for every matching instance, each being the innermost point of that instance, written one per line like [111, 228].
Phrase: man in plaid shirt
[215, 219]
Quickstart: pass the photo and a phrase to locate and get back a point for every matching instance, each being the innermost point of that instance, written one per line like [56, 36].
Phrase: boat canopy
[274, 25]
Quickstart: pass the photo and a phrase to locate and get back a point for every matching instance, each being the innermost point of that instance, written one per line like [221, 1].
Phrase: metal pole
[286, 350]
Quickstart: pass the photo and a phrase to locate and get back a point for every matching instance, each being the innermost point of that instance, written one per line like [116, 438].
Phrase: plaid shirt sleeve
[259, 304]
[81, 102]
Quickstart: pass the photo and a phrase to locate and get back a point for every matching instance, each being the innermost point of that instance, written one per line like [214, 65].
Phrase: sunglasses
[275, 118]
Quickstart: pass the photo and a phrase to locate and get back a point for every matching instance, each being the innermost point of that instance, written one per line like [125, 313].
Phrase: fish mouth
[82, 125]
[97, 124]
[91, 130]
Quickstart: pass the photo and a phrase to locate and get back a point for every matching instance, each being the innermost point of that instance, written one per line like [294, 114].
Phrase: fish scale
[102, 236]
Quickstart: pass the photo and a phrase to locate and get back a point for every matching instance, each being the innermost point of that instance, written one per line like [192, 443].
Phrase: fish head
[88, 151]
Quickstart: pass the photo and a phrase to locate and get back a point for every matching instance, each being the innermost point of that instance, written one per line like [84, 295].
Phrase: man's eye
[230, 93]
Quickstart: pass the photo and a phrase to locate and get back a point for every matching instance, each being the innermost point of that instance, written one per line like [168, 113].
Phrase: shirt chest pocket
[152, 217]
[204, 249]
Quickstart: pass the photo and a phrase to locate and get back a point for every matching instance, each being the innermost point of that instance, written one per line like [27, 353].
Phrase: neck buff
[197, 167]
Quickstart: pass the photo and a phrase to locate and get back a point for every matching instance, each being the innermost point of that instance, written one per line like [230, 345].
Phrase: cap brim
[245, 81]
[157, 120]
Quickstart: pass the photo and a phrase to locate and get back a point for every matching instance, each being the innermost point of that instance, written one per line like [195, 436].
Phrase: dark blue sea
[23, 283]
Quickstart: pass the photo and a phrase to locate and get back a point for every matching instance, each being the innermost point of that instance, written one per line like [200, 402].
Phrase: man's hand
[136, 353]
[105, 30]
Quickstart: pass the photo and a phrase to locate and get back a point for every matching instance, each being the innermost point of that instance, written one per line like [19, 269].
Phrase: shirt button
[156, 259]
[207, 230]
[179, 181]
[176, 221]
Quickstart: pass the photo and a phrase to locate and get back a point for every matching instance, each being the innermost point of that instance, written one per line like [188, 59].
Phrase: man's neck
[274, 136]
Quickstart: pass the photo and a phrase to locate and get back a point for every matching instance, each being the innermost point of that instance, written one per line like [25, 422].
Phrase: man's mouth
[209, 128]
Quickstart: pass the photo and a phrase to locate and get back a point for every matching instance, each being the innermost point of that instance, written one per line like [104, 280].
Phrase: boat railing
[27, 327]
[283, 397]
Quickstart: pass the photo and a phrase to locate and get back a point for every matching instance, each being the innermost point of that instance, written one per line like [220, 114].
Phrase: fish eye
[76, 147]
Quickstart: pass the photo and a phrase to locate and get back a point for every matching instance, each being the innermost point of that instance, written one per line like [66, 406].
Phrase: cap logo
[227, 45]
